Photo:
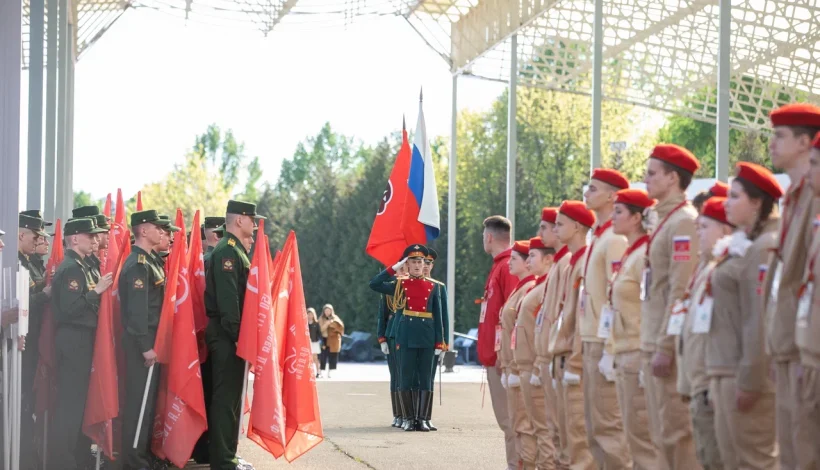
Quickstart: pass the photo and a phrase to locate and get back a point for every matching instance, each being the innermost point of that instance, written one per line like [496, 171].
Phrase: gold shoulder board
[231, 242]
[141, 259]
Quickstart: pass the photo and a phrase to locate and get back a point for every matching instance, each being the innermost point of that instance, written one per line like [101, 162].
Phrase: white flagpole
[144, 400]
[242, 401]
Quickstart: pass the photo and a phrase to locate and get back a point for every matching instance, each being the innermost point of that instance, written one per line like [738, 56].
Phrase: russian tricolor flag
[421, 205]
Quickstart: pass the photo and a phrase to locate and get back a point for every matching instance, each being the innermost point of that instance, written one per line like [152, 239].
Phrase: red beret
[760, 177]
[676, 156]
[719, 189]
[634, 197]
[796, 114]
[713, 208]
[522, 247]
[536, 243]
[610, 177]
[548, 214]
[577, 211]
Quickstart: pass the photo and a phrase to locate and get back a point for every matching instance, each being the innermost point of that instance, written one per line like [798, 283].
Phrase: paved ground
[356, 414]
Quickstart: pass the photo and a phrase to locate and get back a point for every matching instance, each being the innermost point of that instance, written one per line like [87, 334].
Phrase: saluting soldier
[75, 301]
[429, 264]
[226, 280]
[419, 331]
[141, 289]
[384, 331]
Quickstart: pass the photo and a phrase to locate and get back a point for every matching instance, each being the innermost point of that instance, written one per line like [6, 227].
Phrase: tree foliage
[222, 150]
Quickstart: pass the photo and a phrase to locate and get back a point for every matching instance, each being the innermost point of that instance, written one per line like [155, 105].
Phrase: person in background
[736, 359]
[692, 379]
[315, 338]
[332, 329]
[719, 189]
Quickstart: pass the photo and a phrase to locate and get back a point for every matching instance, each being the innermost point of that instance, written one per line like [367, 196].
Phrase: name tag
[778, 271]
[804, 306]
[497, 338]
[605, 322]
[560, 319]
[483, 311]
[703, 316]
[512, 338]
[540, 318]
[675, 326]
[582, 298]
[646, 281]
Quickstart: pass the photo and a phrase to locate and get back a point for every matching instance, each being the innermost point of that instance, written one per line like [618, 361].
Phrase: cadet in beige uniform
[543, 323]
[672, 258]
[692, 379]
[539, 261]
[572, 224]
[808, 330]
[510, 378]
[794, 126]
[736, 360]
[621, 324]
[604, 425]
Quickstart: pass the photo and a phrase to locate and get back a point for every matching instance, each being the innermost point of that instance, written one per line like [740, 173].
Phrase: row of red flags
[274, 340]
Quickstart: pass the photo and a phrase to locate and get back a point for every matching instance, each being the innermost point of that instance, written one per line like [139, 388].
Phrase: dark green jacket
[94, 263]
[445, 312]
[73, 299]
[410, 331]
[225, 281]
[141, 289]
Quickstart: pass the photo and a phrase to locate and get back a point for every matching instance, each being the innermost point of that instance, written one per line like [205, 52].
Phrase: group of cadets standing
[413, 328]
[74, 295]
[638, 330]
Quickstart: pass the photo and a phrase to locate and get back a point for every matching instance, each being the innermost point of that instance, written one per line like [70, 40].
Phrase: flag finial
[421, 94]
[403, 123]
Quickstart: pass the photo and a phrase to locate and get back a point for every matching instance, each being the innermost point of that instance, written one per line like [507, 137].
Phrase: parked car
[466, 347]
[360, 346]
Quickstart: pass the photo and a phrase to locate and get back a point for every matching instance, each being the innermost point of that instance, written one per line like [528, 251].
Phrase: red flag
[257, 345]
[196, 268]
[102, 403]
[139, 201]
[107, 208]
[303, 423]
[386, 242]
[182, 420]
[119, 216]
[162, 343]
[45, 382]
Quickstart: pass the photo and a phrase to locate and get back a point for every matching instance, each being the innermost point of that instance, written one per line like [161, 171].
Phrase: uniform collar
[665, 207]
[504, 254]
[76, 256]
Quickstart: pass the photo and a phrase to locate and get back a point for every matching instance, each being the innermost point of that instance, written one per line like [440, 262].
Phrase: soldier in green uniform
[429, 264]
[387, 341]
[210, 236]
[226, 280]
[418, 332]
[31, 237]
[142, 289]
[75, 302]
[91, 212]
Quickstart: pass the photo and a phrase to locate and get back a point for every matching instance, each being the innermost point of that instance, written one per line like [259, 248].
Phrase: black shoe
[429, 411]
[396, 422]
[420, 403]
[406, 399]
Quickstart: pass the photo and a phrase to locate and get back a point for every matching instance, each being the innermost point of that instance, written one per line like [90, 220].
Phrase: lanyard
[635, 246]
[708, 290]
[572, 262]
[660, 225]
[787, 219]
[595, 235]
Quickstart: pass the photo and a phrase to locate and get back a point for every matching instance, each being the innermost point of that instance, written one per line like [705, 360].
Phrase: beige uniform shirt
[524, 348]
[788, 264]
[567, 333]
[692, 378]
[626, 302]
[606, 251]
[547, 314]
[672, 259]
[736, 338]
[508, 316]
[808, 326]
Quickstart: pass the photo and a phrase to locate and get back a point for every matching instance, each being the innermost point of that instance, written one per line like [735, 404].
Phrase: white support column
[11, 62]
[69, 144]
[50, 183]
[512, 130]
[724, 77]
[62, 102]
[34, 183]
[451, 214]
[597, 92]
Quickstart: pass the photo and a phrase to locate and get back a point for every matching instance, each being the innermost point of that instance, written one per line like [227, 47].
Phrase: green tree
[227, 154]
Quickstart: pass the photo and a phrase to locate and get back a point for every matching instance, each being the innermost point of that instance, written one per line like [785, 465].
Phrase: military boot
[429, 411]
[420, 402]
[407, 410]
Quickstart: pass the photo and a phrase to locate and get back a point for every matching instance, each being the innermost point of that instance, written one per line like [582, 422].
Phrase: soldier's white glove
[385, 348]
[535, 381]
[504, 380]
[606, 366]
[570, 378]
[514, 381]
[438, 351]
[398, 265]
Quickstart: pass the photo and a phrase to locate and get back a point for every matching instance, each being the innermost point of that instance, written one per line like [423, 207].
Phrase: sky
[153, 82]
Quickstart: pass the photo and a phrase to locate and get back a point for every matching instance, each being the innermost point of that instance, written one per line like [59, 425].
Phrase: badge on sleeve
[73, 285]
[682, 248]
[139, 284]
[762, 270]
[227, 265]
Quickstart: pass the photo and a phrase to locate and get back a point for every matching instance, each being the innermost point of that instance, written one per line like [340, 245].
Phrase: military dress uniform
[384, 324]
[445, 323]
[418, 334]
[142, 290]
[226, 281]
[75, 304]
